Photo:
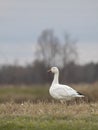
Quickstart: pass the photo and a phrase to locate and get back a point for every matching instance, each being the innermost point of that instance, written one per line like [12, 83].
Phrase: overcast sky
[22, 21]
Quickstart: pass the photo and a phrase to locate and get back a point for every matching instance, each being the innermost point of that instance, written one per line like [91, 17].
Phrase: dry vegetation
[22, 93]
[28, 108]
[47, 110]
[89, 90]
[48, 116]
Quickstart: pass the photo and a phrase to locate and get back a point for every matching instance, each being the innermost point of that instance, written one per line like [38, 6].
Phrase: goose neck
[56, 78]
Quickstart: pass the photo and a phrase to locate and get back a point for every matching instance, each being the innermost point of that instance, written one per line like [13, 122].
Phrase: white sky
[22, 21]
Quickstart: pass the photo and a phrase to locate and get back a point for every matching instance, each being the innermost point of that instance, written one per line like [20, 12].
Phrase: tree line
[37, 74]
[50, 51]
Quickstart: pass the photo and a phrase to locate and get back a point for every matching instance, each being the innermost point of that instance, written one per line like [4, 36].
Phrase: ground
[23, 109]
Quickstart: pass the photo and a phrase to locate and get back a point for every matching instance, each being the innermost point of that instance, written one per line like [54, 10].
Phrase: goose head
[54, 70]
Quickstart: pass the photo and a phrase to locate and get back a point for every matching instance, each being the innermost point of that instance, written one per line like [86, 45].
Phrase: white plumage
[60, 91]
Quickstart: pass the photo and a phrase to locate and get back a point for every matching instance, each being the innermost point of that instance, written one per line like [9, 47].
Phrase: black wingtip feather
[80, 93]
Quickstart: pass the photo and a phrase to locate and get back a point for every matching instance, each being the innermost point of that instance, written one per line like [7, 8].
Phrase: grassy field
[32, 108]
[48, 116]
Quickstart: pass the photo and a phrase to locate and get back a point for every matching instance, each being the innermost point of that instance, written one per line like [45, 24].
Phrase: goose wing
[64, 91]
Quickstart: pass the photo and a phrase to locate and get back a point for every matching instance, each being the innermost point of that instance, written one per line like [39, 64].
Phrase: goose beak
[49, 70]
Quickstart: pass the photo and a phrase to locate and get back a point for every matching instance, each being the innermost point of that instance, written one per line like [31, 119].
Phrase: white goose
[60, 91]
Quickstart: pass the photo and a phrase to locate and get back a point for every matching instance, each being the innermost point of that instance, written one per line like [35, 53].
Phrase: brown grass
[44, 110]
[32, 107]
[19, 94]
[89, 90]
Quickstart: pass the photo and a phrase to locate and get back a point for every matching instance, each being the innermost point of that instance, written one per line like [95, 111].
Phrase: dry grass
[54, 110]
[19, 94]
[89, 90]
[48, 116]
[32, 108]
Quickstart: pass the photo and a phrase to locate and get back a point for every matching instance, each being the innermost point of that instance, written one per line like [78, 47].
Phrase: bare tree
[69, 50]
[52, 52]
[47, 47]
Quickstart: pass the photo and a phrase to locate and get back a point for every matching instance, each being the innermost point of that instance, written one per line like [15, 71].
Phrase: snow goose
[60, 91]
